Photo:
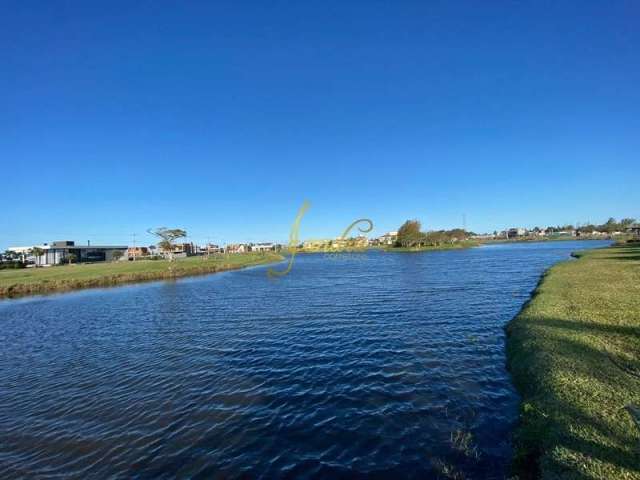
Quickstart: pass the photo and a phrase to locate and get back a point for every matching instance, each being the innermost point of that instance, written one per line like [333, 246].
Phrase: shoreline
[569, 351]
[67, 278]
[546, 239]
[455, 246]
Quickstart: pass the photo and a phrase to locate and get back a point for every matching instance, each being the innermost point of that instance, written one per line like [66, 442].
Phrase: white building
[263, 247]
[388, 238]
[60, 252]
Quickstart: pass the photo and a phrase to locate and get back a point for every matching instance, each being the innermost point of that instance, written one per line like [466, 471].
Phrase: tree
[409, 234]
[117, 255]
[611, 225]
[587, 228]
[436, 238]
[72, 258]
[167, 236]
[457, 235]
[627, 222]
[37, 252]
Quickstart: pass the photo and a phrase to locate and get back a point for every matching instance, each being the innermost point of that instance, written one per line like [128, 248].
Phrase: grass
[18, 282]
[445, 246]
[574, 353]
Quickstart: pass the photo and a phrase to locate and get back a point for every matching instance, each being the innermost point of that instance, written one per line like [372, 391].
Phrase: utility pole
[134, 247]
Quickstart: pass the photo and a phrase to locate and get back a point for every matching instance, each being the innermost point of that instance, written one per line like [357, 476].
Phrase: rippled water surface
[364, 365]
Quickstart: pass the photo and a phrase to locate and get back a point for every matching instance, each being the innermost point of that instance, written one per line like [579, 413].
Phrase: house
[516, 232]
[566, 233]
[590, 233]
[237, 248]
[64, 251]
[184, 248]
[178, 250]
[388, 238]
[211, 248]
[136, 252]
[359, 242]
[634, 229]
[316, 244]
[263, 247]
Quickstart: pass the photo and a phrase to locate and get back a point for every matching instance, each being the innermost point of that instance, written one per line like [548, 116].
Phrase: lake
[376, 365]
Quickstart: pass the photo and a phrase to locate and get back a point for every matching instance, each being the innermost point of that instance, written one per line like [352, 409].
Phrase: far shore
[64, 278]
[550, 239]
[430, 248]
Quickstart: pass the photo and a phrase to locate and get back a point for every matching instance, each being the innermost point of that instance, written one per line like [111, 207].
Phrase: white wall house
[59, 252]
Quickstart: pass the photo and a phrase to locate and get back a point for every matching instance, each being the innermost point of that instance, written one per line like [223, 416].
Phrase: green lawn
[15, 282]
[574, 352]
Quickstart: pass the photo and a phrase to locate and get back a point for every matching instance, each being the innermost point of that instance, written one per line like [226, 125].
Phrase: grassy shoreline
[550, 239]
[449, 246]
[33, 281]
[574, 354]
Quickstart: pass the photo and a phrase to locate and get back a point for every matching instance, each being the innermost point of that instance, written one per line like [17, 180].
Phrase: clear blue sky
[222, 117]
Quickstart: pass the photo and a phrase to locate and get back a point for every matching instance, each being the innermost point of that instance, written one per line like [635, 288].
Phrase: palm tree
[37, 252]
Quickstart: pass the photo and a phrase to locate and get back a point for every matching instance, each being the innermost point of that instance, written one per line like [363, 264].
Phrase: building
[66, 251]
[187, 249]
[178, 250]
[211, 248]
[565, 233]
[359, 242]
[237, 248]
[317, 244]
[634, 229]
[516, 232]
[388, 238]
[263, 247]
[136, 252]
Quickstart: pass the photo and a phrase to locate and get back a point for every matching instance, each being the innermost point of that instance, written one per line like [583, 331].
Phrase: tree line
[610, 226]
[410, 235]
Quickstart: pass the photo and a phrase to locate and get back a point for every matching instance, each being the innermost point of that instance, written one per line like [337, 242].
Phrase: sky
[223, 117]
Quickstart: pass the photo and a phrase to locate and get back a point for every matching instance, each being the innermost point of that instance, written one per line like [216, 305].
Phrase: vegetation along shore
[574, 352]
[29, 281]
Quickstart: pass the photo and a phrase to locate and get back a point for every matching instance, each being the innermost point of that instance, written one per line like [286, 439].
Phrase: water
[365, 365]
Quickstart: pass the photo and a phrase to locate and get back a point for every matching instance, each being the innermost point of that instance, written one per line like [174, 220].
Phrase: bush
[12, 264]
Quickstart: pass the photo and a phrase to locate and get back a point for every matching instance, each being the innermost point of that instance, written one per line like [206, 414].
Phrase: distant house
[483, 236]
[590, 233]
[264, 247]
[634, 229]
[316, 244]
[388, 238]
[186, 248]
[62, 251]
[516, 232]
[135, 252]
[359, 242]
[179, 250]
[211, 248]
[237, 248]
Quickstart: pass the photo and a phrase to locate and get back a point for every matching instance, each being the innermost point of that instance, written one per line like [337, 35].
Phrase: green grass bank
[447, 246]
[29, 281]
[574, 353]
